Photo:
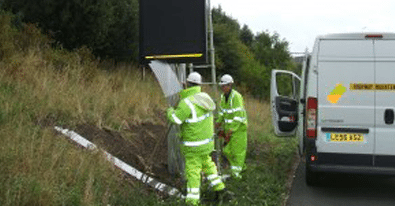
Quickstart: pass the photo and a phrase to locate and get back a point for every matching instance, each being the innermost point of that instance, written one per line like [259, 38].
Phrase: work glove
[218, 125]
[228, 135]
[221, 134]
[169, 111]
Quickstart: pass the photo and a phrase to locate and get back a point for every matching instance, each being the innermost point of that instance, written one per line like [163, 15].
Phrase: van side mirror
[303, 101]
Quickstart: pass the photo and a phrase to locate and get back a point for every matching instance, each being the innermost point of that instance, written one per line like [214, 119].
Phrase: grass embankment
[41, 87]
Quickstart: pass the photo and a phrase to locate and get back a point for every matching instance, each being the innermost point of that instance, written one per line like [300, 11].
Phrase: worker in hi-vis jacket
[232, 117]
[194, 114]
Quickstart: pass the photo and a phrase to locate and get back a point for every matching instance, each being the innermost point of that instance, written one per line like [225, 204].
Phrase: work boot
[237, 176]
[224, 195]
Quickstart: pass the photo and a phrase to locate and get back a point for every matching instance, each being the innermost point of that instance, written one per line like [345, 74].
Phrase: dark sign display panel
[173, 30]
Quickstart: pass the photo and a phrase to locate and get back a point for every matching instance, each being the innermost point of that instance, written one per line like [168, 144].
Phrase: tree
[228, 50]
[108, 27]
[271, 51]
[220, 17]
[248, 58]
[228, 47]
[246, 36]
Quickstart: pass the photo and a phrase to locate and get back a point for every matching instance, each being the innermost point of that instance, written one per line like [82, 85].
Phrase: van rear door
[345, 126]
[385, 102]
[284, 99]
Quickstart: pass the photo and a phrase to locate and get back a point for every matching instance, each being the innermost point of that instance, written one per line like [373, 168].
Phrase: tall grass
[83, 93]
[41, 86]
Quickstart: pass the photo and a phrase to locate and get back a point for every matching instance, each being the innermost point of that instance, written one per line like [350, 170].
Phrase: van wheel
[312, 178]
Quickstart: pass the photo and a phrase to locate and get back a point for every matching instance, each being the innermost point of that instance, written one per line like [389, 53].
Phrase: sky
[300, 21]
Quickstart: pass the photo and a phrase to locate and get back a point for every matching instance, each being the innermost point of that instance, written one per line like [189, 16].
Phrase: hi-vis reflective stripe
[193, 196]
[215, 182]
[230, 98]
[190, 105]
[194, 118]
[199, 119]
[193, 193]
[178, 121]
[229, 111]
[197, 143]
[237, 168]
[193, 190]
[240, 119]
[211, 177]
[174, 56]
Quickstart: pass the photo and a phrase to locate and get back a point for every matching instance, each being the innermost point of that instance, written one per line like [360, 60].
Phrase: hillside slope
[117, 108]
[42, 87]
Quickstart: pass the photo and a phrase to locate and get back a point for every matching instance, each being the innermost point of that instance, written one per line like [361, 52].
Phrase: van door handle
[389, 116]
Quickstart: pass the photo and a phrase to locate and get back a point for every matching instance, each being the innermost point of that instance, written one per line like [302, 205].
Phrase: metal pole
[218, 147]
[190, 65]
[212, 50]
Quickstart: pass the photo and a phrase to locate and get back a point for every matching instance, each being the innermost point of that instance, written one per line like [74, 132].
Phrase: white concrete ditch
[122, 165]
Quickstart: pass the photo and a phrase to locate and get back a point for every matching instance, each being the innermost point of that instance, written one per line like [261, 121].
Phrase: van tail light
[377, 36]
[313, 158]
[311, 118]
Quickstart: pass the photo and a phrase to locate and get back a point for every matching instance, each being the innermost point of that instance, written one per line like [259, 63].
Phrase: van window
[296, 87]
[284, 85]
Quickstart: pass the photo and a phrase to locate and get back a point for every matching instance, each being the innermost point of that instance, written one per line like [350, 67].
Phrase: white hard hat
[226, 79]
[194, 77]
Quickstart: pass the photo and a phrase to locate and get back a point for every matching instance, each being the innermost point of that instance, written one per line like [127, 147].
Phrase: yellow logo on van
[336, 94]
[360, 86]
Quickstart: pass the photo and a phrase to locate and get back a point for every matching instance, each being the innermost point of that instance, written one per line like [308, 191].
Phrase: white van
[342, 106]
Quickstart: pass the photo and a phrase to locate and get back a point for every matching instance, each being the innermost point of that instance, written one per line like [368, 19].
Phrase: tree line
[110, 29]
[247, 56]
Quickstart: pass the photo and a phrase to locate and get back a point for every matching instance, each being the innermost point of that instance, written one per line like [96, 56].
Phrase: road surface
[342, 189]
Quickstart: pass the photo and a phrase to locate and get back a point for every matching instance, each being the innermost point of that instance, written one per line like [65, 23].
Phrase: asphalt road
[342, 189]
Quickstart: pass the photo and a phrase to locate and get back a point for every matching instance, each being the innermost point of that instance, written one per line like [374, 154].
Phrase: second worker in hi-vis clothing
[233, 119]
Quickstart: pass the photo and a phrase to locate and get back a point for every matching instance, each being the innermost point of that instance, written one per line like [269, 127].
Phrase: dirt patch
[144, 147]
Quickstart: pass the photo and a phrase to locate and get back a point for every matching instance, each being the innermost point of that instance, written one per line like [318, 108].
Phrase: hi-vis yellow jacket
[232, 112]
[195, 115]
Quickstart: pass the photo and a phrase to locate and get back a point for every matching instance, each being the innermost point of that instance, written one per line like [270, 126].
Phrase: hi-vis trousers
[194, 164]
[236, 150]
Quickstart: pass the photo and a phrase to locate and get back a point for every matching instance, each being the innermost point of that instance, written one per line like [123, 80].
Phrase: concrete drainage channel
[122, 165]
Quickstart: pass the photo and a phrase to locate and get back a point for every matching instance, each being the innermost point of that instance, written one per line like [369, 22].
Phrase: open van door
[284, 99]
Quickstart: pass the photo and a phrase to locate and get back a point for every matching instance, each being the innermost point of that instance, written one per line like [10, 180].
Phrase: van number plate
[345, 137]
